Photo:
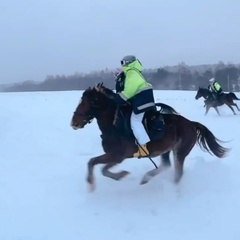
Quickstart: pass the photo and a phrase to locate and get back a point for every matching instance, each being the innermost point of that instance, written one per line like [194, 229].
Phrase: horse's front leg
[217, 111]
[92, 162]
[115, 176]
[110, 160]
[207, 109]
[204, 103]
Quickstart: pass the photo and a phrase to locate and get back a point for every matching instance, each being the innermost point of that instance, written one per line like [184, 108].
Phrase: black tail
[166, 109]
[208, 142]
[233, 96]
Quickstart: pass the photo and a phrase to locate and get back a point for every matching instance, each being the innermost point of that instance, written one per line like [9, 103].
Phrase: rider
[140, 95]
[215, 88]
[133, 88]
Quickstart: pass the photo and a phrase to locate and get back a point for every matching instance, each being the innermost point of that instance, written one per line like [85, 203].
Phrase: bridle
[88, 117]
[93, 113]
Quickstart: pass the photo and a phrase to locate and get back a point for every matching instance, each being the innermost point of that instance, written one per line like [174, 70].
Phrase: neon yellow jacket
[137, 91]
[216, 87]
[134, 81]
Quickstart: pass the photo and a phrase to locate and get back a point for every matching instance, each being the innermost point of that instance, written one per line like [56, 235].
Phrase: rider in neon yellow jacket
[134, 89]
[215, 88]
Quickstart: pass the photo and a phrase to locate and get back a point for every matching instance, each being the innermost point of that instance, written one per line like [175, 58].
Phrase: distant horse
[227, 98]
[180, 136]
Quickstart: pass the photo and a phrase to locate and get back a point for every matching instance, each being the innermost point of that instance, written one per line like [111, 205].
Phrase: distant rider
[215, 88]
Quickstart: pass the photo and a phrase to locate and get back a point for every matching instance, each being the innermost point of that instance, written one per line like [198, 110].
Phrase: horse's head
[90, 106]
[200, 93]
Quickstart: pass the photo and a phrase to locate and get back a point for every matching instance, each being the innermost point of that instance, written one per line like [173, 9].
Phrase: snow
[43, 193]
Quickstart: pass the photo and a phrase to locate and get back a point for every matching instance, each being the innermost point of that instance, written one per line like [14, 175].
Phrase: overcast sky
[49, 37]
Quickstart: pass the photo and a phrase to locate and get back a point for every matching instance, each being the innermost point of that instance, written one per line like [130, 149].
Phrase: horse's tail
[233, 95]
[166, 109]
[208, 142]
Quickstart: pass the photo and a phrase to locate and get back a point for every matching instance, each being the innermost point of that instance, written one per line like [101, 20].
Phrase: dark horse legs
[219, 102]
[164, 164]
[180, 151]
[208, 107]
[116, 176]
[108, 160]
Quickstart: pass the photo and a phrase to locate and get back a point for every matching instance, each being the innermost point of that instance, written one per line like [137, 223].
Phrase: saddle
[215, 98]
[153, 123]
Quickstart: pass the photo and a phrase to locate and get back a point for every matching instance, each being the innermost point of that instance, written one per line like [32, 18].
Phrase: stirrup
[142, 151]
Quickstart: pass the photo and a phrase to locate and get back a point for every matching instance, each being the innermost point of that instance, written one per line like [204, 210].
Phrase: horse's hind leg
[165, 163]
[237, 106]
[217, 111]
[180, 152]
[234, 104]
[178, 165]
[231, 109]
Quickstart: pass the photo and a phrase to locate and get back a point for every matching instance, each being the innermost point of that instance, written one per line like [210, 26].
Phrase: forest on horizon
[179, 77]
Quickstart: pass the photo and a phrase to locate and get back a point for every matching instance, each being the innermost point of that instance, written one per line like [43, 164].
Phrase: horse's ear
[99, 85]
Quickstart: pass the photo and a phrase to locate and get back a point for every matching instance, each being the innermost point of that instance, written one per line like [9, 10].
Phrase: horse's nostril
[73, 124]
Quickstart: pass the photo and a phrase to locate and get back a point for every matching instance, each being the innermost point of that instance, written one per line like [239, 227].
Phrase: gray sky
[49, 37]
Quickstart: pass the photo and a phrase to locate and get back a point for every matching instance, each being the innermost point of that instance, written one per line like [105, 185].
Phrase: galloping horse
[227, 98]
[180, 136]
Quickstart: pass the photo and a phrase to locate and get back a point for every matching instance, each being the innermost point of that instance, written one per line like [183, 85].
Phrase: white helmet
[211, 80]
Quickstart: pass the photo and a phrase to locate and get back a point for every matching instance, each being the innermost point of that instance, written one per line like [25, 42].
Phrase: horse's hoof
[145, 179]
[91, 183]
[91, 187]
[177, 179]
[143, 182]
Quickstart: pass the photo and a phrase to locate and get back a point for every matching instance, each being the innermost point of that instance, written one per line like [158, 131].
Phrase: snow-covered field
[43, 193]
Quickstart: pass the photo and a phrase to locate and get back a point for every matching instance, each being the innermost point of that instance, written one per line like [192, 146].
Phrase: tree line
[179, 77]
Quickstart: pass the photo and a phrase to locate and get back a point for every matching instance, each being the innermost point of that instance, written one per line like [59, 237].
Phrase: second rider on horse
[215, 88]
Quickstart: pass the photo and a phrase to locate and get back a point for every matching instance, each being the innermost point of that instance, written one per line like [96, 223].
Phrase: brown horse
[226, 98]
[179, 135]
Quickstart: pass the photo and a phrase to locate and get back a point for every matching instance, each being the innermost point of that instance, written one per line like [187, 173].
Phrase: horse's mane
[203, 88]
[97, 98]
[94, 94]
